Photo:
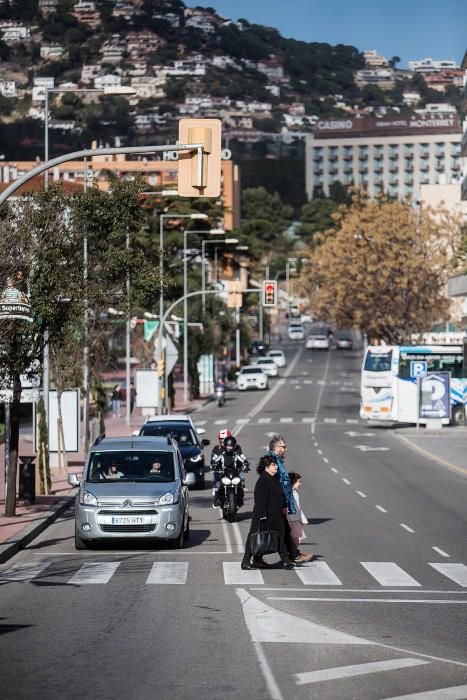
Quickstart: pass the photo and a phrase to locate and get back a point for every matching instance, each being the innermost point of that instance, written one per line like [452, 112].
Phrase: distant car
[294, 311]
[306, 318]
[257, 348]
[296, 331]
[252, 378]
[343, 340]
[132, 488]
[278, 357]
[268, 365]
[318, 341]
[180, 427]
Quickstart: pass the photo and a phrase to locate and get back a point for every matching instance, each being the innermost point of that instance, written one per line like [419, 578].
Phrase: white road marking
[297, 387]
[320, 452]
[325, 459]
[368, 448]
[330, 420]
[264, 420]
[266, 624]
[387, 573]
[346, 481]
[441, 551]
[308, 420]
[383, 510]
[94, 572]
[399, 601]
[351, 420]
[242, 420]
[222, 421]
[352, 434]
[308, 381]
[234, 575]
[200, 422]
[24, 572]
[406, 527]
[228, 541]
[317, 573]
[294, 381]
[238, 538]
[360, 493]
[168, 572]
[458, 692]
[306, 373]
[456, 572]
[330, 674]
[286, 420]
[333, 469]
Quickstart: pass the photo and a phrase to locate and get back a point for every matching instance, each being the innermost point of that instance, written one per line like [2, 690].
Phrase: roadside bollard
[27, 480]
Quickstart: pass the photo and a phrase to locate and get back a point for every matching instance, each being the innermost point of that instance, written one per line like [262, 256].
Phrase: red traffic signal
[269, 293]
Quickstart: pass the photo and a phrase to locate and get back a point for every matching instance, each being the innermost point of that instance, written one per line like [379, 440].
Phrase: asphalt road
[380, 613]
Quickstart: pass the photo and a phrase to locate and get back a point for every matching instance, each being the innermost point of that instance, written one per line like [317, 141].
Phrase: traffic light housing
[269, 296]
[161, 366]
[200, 177]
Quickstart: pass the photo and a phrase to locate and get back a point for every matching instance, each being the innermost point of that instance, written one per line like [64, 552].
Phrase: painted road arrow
[352, 433]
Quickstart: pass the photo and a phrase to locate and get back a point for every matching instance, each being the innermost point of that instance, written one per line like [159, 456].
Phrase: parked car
[180, 427]
[132, 488]
[318, 341]
[268, 366]
[343, 340]
[296, 331]
[252, 378]
[278, 357]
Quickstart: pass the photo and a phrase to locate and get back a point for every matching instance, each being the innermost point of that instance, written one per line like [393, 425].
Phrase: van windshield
[124, 466]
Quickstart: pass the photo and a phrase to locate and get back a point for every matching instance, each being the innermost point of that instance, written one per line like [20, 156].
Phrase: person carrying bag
[267, 525]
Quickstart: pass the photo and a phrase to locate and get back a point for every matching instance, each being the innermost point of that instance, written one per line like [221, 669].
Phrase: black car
[190, 446]
[257, 347]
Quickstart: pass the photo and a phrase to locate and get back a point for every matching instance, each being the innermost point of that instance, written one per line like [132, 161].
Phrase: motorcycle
[231, 492]
[220, 395]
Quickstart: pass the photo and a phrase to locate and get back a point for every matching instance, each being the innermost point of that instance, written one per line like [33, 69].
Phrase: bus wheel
[458, 415]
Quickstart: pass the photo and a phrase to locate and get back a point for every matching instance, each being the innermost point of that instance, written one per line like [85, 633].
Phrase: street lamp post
[46, 363]
[205, 242]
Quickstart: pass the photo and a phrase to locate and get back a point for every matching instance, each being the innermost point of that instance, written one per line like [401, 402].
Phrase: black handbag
[264, 542]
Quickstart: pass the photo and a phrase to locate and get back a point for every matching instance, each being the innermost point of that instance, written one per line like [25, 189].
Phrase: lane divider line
[383, 510]
[440, 551]
[406, 527]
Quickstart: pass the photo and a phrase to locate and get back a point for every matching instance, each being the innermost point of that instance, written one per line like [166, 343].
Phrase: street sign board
[435, 399]
[146, 387]
[418, 368]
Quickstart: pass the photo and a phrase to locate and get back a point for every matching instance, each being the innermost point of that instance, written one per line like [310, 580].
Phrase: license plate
[125, 520]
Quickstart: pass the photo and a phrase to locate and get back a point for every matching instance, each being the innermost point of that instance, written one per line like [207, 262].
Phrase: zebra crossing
[319, 573]
[265, 420]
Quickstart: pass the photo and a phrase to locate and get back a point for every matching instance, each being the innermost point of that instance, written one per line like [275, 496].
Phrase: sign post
[418, 369]
[435, 398]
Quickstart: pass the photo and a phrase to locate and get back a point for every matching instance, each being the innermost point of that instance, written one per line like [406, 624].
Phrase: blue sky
[411, 29]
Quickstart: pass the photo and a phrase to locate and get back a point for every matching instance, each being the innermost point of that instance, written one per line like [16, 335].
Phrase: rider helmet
[230, 444]
[222, 434]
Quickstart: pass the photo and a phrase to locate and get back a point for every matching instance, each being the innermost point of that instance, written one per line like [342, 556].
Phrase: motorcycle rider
[227, 453]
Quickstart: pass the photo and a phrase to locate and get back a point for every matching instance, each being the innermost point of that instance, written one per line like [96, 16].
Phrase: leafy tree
[385, 269]
[317, 217]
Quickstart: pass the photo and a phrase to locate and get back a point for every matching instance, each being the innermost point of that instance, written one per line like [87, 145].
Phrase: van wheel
[179, 543]
[458, 415]
[79, 542]
[187, 529]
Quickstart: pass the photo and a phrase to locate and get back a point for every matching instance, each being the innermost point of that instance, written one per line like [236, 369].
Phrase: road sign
[418, 368]
[435, 399]
[171, 355]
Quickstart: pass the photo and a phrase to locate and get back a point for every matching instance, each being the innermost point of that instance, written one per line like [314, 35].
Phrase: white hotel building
[394, 155]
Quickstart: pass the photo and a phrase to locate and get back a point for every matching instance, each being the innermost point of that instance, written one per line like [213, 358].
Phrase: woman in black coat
[268, 510]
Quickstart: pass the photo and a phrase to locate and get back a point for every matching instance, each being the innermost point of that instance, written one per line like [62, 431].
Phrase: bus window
[451, 363]
[378, 362]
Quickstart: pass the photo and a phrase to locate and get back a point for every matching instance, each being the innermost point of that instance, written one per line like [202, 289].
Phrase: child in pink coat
[298, 519]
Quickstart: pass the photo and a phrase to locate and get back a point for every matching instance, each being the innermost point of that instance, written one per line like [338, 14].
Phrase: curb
[426, 453]
[28, 533]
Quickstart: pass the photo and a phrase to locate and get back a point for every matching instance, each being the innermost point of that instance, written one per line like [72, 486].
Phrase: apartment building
[428, 65]
[395, 155]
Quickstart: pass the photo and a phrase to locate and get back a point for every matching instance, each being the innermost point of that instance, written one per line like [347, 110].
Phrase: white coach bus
[389, 394]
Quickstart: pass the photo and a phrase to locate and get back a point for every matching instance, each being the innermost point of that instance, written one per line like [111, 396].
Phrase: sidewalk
[447, 446]
[31, 520]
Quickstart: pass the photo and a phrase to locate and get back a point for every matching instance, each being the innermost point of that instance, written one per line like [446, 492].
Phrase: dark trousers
[281, 550]
[290, 545]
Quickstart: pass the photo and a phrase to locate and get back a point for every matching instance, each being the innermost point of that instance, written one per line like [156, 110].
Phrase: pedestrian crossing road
[317, 573]
[279, 419]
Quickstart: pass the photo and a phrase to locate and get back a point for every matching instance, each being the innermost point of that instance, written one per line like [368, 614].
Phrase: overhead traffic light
[269, 296]
[200, 177]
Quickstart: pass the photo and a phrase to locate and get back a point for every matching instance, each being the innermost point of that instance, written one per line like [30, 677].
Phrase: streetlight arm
[89, 153]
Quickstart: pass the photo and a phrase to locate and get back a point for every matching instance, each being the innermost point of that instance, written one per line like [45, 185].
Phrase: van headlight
[87, 499]
[196, 458]
[167, 499]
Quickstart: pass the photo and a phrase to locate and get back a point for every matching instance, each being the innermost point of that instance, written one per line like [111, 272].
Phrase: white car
[171, 418]
[317, 341]
[278, 357]
[268, 365]
[296, 331]
[252, 378]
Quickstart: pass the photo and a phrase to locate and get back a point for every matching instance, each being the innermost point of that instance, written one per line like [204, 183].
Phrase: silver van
[132, 487]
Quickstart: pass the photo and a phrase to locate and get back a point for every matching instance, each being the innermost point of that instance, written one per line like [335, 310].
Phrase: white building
[428, 65]
[391, 155]
[439, 109]
[90, 71]
[39, 86]
[384, 77]
[372, 60]
[54, 52]
[108, 80]
[7, 88]
[13, 32]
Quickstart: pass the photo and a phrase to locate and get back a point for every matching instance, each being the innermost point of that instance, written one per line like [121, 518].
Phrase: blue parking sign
[435, 397]
[418, 368]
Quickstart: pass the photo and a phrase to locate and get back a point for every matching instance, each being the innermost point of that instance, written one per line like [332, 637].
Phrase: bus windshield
[378, 362]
